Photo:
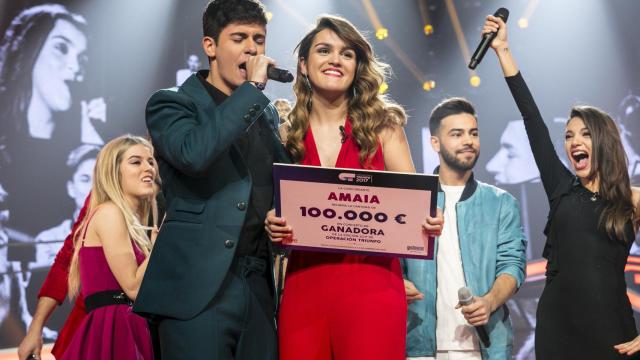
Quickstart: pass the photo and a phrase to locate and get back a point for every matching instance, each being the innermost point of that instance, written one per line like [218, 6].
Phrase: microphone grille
[502, 13]
[464, 294]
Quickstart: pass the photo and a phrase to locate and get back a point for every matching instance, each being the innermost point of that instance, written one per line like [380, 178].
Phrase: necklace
[594, 196]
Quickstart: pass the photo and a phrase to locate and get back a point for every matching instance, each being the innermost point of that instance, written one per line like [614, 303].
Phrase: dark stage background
[87, 81]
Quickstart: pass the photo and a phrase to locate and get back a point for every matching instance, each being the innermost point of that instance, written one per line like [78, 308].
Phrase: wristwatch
[259, 85]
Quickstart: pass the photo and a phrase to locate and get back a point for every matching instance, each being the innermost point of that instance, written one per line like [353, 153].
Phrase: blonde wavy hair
[370, 112]
[107, 186]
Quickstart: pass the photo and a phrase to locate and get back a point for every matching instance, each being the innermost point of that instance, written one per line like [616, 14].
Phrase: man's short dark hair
[220, 13]
[448, 107]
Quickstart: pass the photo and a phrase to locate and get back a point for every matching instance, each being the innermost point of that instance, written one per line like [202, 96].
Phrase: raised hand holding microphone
[500, 44]
[487, 38]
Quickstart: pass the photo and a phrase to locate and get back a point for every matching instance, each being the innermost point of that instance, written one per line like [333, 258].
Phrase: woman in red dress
[342, 306]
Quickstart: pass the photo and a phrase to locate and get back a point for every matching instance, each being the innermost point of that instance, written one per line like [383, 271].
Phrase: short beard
[457, 165]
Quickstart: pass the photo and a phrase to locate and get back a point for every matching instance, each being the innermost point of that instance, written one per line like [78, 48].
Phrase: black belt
[106, 298]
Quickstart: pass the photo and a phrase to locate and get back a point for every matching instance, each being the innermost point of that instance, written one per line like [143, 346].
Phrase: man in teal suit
[209, 281]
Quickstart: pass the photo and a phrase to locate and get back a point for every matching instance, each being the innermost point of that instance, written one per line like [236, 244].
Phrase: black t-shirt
[254, 150]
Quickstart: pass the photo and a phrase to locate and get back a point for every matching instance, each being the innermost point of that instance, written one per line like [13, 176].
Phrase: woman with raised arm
[584, 311]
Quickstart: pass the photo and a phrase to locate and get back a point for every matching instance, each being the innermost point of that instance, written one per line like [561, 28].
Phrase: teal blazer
[492, 243]
[207, 185]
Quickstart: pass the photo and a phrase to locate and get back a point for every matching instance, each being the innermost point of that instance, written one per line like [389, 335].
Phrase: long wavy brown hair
[610, 165]
[370, 112]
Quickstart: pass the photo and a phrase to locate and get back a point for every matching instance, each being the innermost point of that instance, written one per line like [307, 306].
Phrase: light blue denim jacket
[491, 243]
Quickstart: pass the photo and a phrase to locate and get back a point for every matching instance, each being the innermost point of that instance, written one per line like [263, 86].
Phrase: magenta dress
[108, 332]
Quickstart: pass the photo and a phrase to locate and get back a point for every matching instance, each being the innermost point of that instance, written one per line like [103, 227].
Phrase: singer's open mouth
[243, 69]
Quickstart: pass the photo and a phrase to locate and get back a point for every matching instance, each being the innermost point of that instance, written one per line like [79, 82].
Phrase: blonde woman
[111, 253]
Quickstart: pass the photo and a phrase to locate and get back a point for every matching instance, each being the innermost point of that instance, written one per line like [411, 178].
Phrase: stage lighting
[383, 88]
[268, 15]
[457, 28]
[428, 29]
[382, 33]
[475, 80]
[429, 85]
[523, 23]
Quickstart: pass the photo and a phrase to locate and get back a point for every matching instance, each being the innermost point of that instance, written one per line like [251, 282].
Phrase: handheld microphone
[343, 134]
[280, 75]
[485, 43]
[466, 298]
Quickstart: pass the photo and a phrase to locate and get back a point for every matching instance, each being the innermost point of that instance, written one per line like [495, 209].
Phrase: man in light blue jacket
[481, 246]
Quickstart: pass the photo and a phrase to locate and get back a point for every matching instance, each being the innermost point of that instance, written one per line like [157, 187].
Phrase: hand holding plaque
[276, 227]
[433, 225]
[354, 211]
[278, 230]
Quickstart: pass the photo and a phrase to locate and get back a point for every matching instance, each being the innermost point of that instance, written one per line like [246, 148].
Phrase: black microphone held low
[280, 75]
[485, 43]
[343, 134]
[465, 297]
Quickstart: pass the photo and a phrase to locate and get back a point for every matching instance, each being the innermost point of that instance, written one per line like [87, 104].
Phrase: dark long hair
[610, 165]
[370, 111]
[19, 49]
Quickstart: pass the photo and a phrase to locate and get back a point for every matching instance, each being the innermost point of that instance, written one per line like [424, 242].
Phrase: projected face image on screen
[193, 62]
[43, 51]
[61, 60]
[514, 162]
[193, 65]
[43, 58]
[629, 123]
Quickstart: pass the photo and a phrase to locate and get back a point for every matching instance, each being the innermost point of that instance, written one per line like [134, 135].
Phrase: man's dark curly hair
[220, 13]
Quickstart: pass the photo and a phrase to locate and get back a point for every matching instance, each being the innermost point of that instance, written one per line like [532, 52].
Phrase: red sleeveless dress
[342, 306]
